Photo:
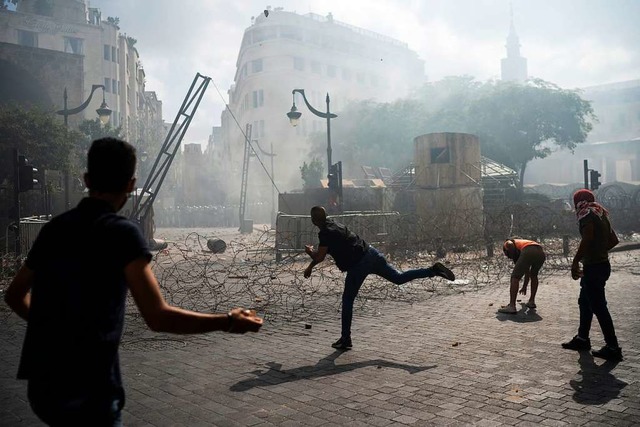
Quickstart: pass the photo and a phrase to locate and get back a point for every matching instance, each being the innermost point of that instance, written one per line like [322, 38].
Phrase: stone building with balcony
[284, 51]
[73, 35]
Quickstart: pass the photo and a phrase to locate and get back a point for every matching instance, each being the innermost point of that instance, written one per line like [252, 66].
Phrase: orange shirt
[519, 244]
[522, 243]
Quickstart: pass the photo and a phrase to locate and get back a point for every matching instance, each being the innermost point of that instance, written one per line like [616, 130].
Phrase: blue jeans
[373, 262]
[592, 301]
[54, 411]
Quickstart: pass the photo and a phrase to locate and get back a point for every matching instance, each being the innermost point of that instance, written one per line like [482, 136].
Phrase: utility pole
[586, 173]
[16, 200]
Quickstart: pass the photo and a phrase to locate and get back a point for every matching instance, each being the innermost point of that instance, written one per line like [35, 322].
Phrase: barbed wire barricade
[264, 270]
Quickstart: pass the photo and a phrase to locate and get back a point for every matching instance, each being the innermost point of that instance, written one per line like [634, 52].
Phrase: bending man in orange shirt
[528, 257]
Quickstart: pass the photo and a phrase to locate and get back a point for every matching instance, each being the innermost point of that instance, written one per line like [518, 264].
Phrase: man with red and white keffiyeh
[597, 238]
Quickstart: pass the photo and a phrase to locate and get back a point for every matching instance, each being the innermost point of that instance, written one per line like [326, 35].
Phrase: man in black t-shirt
[72, 290]
[597, 238]
[358, 259]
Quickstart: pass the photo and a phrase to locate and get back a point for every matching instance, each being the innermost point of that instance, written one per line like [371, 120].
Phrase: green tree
[311, 173]
[94, 129]
[517, 123]
[114, 20]
[38, 135]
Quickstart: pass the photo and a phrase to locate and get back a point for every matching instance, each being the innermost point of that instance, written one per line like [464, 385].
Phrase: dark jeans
[55, 410]
[373, 262]
[592, 301]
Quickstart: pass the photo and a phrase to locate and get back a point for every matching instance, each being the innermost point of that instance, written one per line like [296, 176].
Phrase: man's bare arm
[162, 317]
[17, 296]
[317, 256]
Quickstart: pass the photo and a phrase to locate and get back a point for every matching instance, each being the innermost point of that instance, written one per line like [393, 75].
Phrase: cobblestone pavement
[450, 360]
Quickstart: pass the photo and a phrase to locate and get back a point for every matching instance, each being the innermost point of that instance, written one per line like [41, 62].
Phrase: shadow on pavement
[524, 315]
[325, 367]
[598, 384]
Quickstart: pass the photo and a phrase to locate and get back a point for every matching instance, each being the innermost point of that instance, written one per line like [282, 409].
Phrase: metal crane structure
[250, 151]
[143, 205]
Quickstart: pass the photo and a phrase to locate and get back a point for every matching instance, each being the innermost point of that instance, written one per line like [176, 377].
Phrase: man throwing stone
[358, 259]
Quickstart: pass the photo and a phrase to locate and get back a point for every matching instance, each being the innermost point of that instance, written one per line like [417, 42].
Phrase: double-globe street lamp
[334, 172]
[104, 114]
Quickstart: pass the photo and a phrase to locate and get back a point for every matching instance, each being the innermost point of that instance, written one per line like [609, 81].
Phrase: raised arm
[162, 317]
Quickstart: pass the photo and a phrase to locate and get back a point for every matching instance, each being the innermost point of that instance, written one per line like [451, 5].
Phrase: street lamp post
[104, 114]
[294, 117]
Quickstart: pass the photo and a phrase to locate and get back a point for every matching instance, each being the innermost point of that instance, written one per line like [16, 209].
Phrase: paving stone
[394, 376]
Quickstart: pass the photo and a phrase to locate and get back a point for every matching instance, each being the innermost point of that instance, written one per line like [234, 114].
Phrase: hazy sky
[573, 43]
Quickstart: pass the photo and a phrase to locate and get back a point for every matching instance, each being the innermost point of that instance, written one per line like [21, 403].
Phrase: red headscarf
[585, 203]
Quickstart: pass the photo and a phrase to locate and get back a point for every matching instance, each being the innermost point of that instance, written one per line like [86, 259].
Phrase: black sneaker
[342, 344]
[608, 353]
[443, 271]
[577, 343]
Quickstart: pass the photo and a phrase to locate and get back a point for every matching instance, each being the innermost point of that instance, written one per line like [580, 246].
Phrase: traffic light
[595, 183]
[333, 178]
[27, 174]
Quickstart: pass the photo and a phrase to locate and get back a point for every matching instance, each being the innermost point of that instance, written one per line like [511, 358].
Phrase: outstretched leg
[385, 270]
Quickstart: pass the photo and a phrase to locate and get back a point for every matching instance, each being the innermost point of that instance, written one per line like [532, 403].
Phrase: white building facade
[285, 51]
[109, 59]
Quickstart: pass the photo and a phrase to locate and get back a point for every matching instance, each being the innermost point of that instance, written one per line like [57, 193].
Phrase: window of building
[73, 45]
[27, 38]
[107, 52]
[119, 88]
[346, 74]
[256, 65]
[243, 72]
[298, 63]
[118, 55]
[293, 33]
[263, 34]
[107, 84]
[114, 57]
[128, 95]
[315, 67]
[258, 98]
[114, 86]
[245, 102]
[440, 155]
[331, 70]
